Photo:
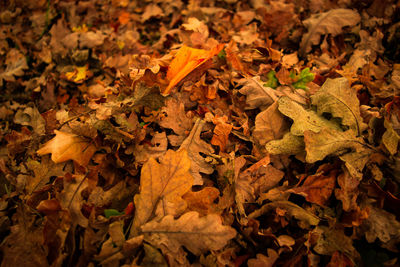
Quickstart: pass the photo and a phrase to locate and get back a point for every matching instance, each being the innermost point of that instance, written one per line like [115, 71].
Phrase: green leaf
[222, 54]
[337, 98]
[303, 119]
[272, 80]
[303, 78]
[112, 212]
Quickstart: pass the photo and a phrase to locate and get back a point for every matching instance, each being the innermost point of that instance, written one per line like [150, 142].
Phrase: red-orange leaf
[186, 60]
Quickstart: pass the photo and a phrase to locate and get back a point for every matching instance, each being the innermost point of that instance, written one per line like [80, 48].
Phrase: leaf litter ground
[203, 133]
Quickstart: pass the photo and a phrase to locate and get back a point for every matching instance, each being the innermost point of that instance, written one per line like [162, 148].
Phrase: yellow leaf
[162, 185]
[186, 60]
[78, 75]
[66, 146]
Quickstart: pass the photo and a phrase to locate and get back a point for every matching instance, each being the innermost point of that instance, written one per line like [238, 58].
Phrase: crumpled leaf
[329, 141]
[390, 138]
[31, 117]
[194, 145]
[269, 125]
[306, 218]
[289, 145]
[159, 145]
[303, 120]
[202, 201]
[24, 245]
[186, 60]
[317, 188]
[337, 98]
[348, 191]
[355, 162]
[162, 183]
[71, 197]
[264, 261]
[330, 22]
[16, 64]
[196, 234]
[175, 118]
[382, 225]
[257, 95]
[221, 132]
[331, 240]
[145, 96]
[65, 146]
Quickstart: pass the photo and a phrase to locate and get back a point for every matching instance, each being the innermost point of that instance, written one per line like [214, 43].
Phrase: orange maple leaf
[186, 60]
[66, 146]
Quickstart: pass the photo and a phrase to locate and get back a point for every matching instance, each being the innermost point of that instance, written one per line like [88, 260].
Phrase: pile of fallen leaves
[204, 133]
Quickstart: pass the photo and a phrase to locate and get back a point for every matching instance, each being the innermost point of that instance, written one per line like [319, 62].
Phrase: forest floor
[199, 133]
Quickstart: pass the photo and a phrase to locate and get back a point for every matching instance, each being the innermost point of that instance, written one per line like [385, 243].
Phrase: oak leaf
[71, 197]
[317, 188]
[330, 22]
[197, 234]
[269, 125]
[162, 184]
[202, 201]
[195, 147]
[186, 60]
[336, 97]
[65, 146]
[348, 191]
[329, 141]
[221, 132]
[257, 95]
[264, 261]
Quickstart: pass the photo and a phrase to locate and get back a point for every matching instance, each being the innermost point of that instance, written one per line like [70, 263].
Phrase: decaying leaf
[337, 98]
[330, 22]
[317, 188]
[65, 146]
[71, 197]
[328, 142]
[195, 146]
[186, 60]
[160, 184]
[176, 119]
[289, 145]
[221, 132]
[196, 234]
[348, 191]
[303, 120]
[306, 218]
[202, 201]
[264, 261]
[269, 125]
[257, 95]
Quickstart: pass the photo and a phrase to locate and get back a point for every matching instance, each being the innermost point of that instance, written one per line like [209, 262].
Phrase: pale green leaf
[329, 141]
[303, 120]
[337, 98]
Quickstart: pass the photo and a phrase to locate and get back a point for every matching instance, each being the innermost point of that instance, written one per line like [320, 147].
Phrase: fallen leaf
[329, 141]
[65, 146]
[196, 234]
[264, 261]
[390, 138]
[221, 132]
[331, 240]
[202, 201]
[348, 191]
[145, 96]
[195, 147]
[330, 22]
[175, 118]
[16, 66]
[269, 125]
[71, 198]
[186, 60]
[161, 183]
[337, 98]
[257, 95]
[157, 148]
[78, 75]
[31, 117]
[381, 225]
[317, 188]
[289, 145]
[306, 218]
[303, 120]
